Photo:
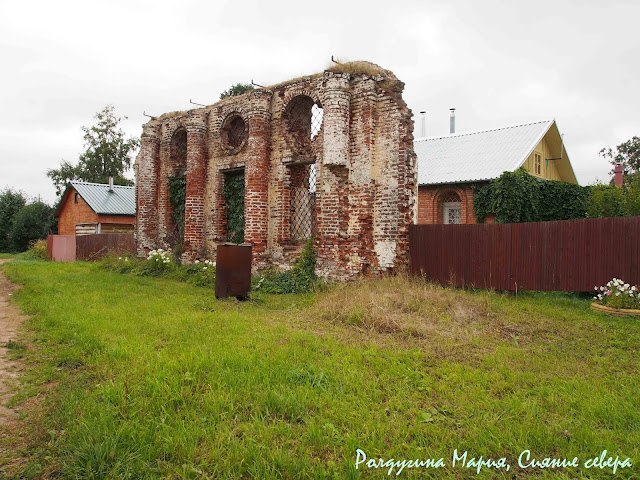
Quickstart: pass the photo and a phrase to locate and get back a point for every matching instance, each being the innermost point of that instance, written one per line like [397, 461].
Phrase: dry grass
[407, 307]
[359, 67]
[304, 78]
[177, 113]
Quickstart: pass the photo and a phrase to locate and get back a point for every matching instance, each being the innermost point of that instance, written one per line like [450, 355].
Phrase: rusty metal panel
[233, 271]
[63, 248]
[94, 247]
[569, 255]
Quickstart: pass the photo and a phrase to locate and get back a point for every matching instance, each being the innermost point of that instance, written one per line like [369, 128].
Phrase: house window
[451, 208]
[75, 197]
[537, 163]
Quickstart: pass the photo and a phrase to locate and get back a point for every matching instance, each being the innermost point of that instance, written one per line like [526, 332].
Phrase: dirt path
[10, 319]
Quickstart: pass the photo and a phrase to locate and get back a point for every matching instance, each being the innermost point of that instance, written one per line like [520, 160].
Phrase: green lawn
[132, 377]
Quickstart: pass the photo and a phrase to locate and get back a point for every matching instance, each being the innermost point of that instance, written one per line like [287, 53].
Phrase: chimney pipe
[423, 125]
[452, 120]
[111, 184]
[618, 172]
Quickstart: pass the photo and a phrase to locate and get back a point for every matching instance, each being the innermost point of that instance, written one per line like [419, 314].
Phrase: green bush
[301, 278]
[38, 249]
[32, 222]
[612, 201]
[518, 196]
[605, 201]
[202, 274]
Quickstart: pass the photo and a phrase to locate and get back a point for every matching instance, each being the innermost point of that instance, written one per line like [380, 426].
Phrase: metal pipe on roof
[423, 125]
[452, 120]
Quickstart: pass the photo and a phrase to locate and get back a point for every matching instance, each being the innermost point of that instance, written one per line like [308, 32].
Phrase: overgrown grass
[138, 377]
[202, 274]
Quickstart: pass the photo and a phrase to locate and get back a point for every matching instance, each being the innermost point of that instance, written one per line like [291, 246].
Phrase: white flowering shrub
[202, 273]
[159, 261]
[618, 294]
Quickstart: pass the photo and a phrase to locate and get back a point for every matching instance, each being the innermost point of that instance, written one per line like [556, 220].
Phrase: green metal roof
[121, 201]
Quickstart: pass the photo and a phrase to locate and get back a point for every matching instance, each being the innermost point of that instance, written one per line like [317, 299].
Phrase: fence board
[570, 255]
[94, 247]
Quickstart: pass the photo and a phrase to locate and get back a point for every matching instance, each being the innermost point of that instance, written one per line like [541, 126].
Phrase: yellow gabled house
[449, 166]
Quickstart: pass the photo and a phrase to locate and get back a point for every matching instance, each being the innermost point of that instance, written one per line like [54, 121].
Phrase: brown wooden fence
[94, 247]
[67, 248]
[571, 255]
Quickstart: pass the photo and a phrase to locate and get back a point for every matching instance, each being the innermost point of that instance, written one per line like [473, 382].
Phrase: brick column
[196, 126]
[332, 192]
[256, 198]
[335, 104]
[147, 188]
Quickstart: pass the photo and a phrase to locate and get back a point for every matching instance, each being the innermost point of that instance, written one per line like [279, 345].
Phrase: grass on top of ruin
[143, 377]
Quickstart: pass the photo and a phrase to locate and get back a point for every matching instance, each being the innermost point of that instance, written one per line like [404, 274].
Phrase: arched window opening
[451, 208]
[304, 119]
[177, 186]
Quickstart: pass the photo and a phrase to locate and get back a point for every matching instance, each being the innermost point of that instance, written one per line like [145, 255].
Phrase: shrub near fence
[570, 255]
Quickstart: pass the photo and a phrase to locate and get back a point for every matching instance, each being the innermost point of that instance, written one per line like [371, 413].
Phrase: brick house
[450, 166]
[87, 208]
[327, 156]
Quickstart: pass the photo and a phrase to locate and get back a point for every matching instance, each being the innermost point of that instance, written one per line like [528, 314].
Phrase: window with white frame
[451, 208]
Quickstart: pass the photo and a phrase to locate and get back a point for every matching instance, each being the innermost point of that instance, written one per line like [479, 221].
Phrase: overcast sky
[499, 63]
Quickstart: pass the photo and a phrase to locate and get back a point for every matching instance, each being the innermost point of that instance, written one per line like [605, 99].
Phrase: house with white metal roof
[450, 166]
[87, 208]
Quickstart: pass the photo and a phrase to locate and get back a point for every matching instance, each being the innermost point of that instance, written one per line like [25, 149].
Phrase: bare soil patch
[10, 319]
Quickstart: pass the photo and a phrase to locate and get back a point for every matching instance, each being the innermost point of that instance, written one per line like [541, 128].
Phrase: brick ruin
[328, 156]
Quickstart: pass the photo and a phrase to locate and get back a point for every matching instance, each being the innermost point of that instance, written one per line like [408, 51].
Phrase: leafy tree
[107, 154]
[237, 89]
[10, 204]
[612, 201]
[626, 154]
[605, 201]
[32, 222]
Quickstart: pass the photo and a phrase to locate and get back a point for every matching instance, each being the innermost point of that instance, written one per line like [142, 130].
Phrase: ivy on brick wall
[233, 192]
[177, 197]
[520, 197]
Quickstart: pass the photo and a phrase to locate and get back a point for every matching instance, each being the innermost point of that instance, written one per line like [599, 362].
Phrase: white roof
[474, 156]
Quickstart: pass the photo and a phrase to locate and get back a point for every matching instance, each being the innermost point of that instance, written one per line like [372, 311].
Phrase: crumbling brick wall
[329, 156]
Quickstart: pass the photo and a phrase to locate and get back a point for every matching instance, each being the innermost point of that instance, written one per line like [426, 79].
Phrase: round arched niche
[234, 133]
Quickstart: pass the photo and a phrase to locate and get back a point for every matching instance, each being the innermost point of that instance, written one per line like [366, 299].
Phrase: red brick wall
[73, 213]
[430, 199]
[365, 173]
